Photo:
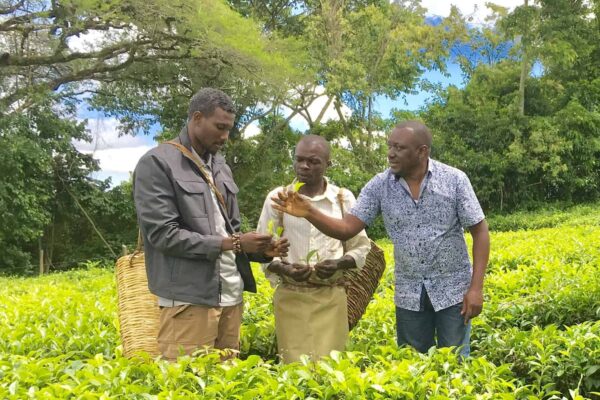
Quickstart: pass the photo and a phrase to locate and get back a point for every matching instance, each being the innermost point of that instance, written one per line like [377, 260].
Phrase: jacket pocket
[194, 196]
[231, 187]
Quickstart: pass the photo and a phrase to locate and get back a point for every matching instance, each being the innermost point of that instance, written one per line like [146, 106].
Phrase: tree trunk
[524, 71]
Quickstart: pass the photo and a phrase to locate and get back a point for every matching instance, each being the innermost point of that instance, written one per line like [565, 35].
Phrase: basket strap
[340, 197]
[140, 242]
[204, 173]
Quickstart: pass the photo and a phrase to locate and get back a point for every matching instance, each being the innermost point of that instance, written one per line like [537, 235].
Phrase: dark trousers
[420, 329]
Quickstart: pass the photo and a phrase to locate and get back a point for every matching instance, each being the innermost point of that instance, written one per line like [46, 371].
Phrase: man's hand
[298, 272]
[325, 269]
[278, 248]
[254, 242]
[291, 203]
[472, 304]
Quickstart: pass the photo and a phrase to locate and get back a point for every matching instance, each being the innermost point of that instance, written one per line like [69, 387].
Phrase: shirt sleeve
[268, 214]
[468, 207]
[368, 205]
[358, 246]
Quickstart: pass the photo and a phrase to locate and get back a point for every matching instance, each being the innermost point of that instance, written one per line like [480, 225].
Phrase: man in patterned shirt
[425, 205]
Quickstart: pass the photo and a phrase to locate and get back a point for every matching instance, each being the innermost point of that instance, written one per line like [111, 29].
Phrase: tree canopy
[524, 123]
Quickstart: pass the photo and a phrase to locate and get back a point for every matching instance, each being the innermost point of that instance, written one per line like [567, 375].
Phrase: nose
[302, 164]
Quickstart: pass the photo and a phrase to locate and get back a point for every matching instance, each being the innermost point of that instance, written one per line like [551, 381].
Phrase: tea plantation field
[538, 337]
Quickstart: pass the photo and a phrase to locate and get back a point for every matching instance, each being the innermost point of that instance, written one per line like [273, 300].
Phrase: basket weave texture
[361, 284]
[138, 308]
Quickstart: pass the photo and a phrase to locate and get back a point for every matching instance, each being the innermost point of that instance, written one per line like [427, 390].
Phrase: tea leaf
[310, 255]
[270, 227]
[298, 185]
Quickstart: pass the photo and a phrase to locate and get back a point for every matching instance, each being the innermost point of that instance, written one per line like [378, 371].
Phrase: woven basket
[361, 284]
[138, 308]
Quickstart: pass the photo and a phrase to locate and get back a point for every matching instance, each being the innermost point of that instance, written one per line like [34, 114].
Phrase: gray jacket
[176, 216]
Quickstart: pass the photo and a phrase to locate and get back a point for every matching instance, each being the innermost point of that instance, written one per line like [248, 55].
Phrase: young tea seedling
[275, 232]
[310, 255]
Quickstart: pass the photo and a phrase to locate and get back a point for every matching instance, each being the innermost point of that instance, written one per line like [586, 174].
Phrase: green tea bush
[566, 245]
[543, 294]
[551, 360]
[551, 217]
[538, 337]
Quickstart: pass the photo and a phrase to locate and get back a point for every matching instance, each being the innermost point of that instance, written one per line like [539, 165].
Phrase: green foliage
[549, 151]
[538, 337]
[546, 216]
[261, 164]
[40, 166]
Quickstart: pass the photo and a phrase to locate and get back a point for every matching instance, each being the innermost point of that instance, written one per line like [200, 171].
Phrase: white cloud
[120, 159]
[472, 8]
[105, 135]
[118, 155]
[251, 130]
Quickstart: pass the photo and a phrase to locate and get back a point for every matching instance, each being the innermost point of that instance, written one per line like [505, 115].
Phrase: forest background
[524, 122]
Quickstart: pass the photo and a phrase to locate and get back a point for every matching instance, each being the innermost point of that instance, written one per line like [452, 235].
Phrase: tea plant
[538, 337]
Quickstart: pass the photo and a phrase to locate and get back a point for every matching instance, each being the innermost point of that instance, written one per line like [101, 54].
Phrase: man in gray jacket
[197, 261]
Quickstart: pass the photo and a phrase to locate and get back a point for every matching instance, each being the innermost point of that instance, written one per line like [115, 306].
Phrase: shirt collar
[431, 169]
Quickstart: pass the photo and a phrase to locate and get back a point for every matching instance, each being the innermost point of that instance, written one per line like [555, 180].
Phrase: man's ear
[197, 116]
[329, 163]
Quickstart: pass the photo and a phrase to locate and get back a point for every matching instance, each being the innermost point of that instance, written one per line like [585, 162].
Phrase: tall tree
[550, 151]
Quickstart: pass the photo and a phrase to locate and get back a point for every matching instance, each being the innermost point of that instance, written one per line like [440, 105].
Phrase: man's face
[405, 153]
[310, 162]
[210, 132]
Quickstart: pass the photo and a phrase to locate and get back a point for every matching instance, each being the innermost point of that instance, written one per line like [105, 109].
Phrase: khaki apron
[310, 320]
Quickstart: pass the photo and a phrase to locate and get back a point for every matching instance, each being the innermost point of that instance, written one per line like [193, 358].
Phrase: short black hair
[319, 141]
[206, 100]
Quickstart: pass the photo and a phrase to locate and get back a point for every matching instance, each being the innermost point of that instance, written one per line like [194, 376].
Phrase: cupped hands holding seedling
[302, 271]
[299, 272]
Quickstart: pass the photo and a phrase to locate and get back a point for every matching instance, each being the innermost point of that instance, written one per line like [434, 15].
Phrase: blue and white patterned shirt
[428, 236]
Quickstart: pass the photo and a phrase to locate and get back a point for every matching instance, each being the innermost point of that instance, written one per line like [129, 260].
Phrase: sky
[118, 155]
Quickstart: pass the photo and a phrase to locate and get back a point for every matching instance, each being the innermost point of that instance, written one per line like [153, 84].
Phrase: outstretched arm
[341, 229]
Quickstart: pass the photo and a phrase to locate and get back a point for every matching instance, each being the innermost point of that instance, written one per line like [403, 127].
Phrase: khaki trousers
[187, 328]
[312, 321]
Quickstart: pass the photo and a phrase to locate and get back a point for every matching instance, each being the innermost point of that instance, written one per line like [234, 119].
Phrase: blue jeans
[420, 328]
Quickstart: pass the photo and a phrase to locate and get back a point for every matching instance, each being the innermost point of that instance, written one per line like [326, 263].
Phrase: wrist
[227, 244]
[310, 213]
[475, 288]
[236, 243]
